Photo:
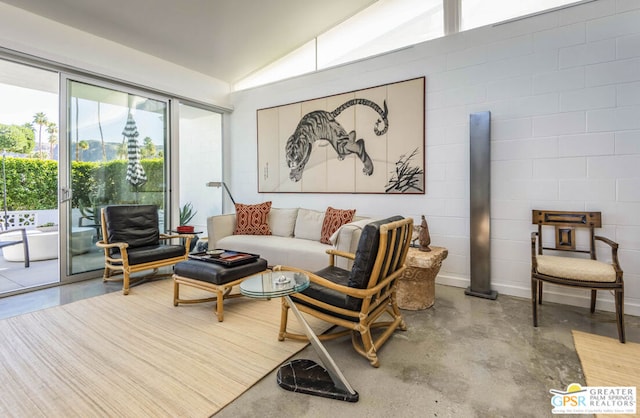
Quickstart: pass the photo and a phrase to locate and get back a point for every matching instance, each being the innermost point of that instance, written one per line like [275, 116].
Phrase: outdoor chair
[356, 300]
[132, 242]
[22, 240]
[564, 262]
[91, 219]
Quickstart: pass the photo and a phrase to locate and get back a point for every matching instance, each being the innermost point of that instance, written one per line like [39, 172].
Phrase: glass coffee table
[301, 375]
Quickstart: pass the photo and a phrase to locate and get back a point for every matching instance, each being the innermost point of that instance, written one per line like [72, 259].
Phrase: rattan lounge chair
[358, 300]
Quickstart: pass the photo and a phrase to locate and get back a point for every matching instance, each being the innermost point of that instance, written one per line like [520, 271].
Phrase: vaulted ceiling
[225, 39]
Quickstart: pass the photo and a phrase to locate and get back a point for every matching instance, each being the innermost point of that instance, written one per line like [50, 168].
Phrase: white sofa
[294, 239]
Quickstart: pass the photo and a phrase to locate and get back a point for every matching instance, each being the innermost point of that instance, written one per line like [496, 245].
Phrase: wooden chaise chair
[357, 300]
[132, 242]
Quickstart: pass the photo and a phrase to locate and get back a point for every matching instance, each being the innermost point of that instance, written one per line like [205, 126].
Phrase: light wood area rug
[138, 355]
[607, 362]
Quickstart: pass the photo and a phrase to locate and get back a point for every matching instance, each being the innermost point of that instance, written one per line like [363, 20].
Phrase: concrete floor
[464, 357]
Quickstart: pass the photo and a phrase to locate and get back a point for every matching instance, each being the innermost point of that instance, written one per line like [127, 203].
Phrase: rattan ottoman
[213, 278]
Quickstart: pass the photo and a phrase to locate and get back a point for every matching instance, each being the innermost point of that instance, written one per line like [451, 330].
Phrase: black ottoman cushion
[215, 273]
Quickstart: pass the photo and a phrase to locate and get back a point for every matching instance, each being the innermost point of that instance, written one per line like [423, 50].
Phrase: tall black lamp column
[480, 205]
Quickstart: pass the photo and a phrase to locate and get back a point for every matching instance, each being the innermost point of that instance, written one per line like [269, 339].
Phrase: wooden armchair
[357, 299]
[132, 242]
[561, 266]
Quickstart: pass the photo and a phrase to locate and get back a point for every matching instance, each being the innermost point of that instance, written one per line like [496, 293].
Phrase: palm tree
[148, 148]
[104, 150]
[52, 130]
[122, 151]
[83, 145]
[41, 120]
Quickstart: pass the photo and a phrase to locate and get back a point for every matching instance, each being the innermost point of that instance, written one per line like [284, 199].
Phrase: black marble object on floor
[307, 376]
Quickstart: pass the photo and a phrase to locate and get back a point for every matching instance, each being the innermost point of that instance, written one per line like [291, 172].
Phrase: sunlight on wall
[200, 161]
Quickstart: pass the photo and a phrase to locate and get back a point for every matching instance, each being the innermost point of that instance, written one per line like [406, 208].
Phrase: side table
[194, 240]
[301, 375]
[416, 287]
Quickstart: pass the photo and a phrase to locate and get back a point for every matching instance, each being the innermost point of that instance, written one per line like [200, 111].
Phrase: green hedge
[32, 184]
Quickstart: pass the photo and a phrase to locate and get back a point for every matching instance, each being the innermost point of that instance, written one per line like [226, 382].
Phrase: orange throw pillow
[334, 219]
[252, 219]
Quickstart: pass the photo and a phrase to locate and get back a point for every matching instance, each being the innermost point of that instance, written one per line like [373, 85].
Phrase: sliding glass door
[28, 176]
[72, 144]
[114, 152]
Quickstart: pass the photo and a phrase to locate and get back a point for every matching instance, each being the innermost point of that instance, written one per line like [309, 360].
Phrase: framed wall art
[364, 141]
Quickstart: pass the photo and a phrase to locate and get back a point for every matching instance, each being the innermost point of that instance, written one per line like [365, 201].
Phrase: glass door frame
[65, 159]
[172, 165]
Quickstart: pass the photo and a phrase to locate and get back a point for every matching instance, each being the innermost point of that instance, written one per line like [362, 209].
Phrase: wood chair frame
[114, 266]
[377, 299]
[566, 223]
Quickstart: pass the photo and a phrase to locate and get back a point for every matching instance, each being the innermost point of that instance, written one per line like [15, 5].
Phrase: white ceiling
[225, 39]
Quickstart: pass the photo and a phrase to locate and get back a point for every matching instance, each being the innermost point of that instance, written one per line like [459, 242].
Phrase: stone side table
[416, 287]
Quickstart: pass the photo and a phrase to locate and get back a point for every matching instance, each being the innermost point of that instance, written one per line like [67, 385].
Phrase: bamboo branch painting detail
[406, 177]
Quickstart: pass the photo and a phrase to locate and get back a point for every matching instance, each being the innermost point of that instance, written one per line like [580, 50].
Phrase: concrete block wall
[564, 92]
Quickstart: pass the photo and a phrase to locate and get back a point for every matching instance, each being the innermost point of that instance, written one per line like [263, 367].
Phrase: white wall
[31, 34]
[200, 155]
[564, 92]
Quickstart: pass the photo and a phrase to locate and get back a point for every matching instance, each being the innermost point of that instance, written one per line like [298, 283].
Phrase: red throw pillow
[334, 219]
[252, 219]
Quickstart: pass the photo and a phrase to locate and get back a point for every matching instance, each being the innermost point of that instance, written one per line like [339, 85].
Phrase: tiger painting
[321, 125]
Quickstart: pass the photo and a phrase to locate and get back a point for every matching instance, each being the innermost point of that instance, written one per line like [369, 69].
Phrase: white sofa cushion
[309, 224]
[303, 253]
[307, 254]
[283, 221]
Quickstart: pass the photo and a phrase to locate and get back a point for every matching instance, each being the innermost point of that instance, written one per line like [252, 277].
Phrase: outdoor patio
[15, 277]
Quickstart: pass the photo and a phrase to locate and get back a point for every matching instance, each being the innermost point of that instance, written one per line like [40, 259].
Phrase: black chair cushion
[216, 273]
[330, 296]
[367, 252]
[359, 275]
[137, 225]
[150, 253]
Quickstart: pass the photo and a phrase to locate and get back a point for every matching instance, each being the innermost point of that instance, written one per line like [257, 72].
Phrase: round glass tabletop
[274, 284]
